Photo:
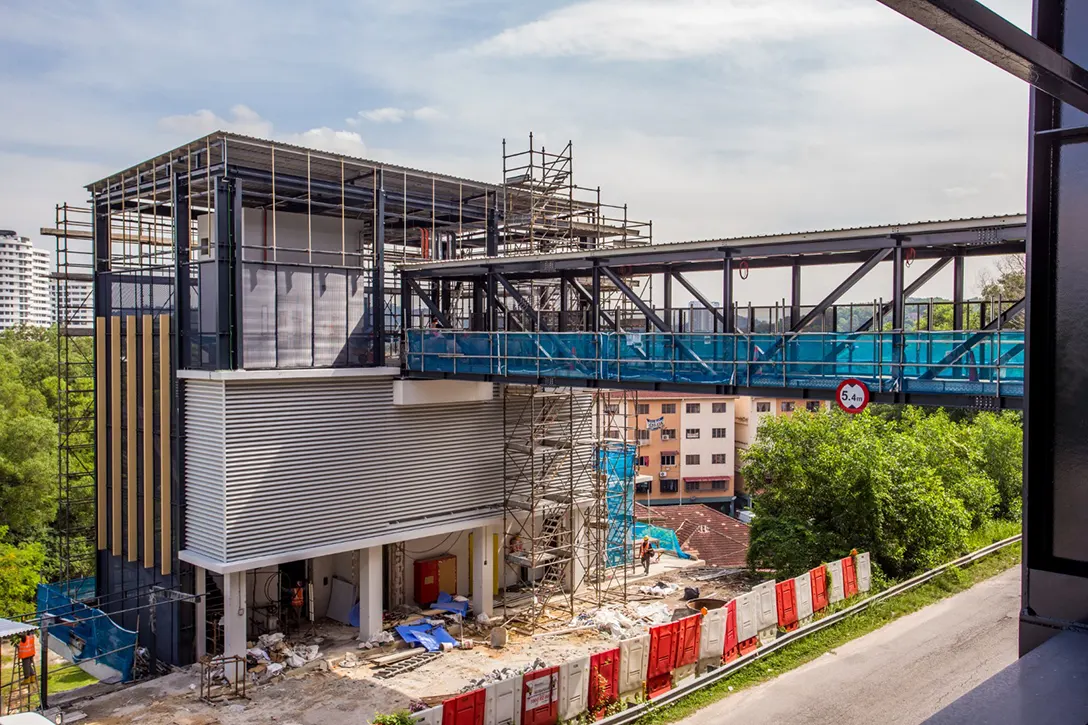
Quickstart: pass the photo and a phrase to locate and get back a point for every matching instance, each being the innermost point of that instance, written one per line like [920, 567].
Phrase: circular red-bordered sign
[852, 395]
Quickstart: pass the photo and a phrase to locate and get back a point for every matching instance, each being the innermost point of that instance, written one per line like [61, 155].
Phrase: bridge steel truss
[587, 281]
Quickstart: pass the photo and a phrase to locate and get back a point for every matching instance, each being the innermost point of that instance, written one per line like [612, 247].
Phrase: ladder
[21, 690]
[412, 663]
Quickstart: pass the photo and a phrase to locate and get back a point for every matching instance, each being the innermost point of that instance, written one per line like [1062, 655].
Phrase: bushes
[911, 490]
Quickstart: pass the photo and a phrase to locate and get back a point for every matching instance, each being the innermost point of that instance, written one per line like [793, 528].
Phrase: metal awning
[700, 479]
[8, 628]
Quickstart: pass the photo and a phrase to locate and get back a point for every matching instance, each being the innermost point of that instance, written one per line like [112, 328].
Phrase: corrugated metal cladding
[205, 468]
[319, 462]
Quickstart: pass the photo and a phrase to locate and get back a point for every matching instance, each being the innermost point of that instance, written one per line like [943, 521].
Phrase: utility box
[435, 575]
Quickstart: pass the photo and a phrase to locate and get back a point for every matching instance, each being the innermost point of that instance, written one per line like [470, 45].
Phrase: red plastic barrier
[604, 676]
[658, 685]
[540, 697]
[849, 577]
[730, 652]
[786, 597]
[465, 709]
[687, 640]
[748, 645]
[818, 578]
[663, 649]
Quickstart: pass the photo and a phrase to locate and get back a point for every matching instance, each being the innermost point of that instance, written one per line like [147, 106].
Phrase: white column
[578, 534]
[234, 618]
[483, 570]
[370, 592]
[201, 612]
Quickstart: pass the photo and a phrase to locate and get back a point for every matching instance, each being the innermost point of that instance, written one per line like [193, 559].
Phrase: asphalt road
[901, 673]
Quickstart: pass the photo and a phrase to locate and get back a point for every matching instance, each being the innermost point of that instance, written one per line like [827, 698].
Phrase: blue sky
[713, 118]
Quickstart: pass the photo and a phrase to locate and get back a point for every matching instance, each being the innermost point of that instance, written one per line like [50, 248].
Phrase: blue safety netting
[89, 633]
[617, 462]
[666, 538]
[978, 363]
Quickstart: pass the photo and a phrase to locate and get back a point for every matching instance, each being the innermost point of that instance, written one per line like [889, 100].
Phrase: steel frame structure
[583, 276]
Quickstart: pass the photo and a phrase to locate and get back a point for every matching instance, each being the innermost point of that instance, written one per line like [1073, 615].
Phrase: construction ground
[343, 680]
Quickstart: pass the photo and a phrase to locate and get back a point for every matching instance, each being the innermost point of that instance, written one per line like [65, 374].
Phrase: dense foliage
[909, 488]
[29, 410]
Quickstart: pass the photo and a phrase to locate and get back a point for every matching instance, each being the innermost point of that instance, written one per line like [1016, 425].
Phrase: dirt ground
[324, 693]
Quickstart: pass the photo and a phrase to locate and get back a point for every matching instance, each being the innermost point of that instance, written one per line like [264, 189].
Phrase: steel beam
[644, 308]
[524, 304]
[976, 28]
[718, 316]
[588, 297]
[856, 276]
[909, 290]
[429, 301]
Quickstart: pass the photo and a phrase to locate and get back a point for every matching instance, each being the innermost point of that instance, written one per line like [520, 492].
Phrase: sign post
[852, 395]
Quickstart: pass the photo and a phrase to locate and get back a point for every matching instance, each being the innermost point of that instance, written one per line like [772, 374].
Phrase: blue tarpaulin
[431, 637]
[666, 538]
[449, 604]
[88, 632]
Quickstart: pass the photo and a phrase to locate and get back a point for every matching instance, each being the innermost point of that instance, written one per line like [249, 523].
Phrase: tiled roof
[712, 536]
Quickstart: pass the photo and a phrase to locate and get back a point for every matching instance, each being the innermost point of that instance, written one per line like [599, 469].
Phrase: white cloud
[396, 115]
[654, 30]
[245, 120]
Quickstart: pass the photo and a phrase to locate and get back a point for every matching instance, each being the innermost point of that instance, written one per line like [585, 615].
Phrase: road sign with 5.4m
[852, 395]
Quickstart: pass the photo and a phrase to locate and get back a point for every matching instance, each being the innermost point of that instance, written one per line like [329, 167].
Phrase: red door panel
[818, 579]
[687, 641]
[465, 709]
[786, 597]
[540, 697]
[604, 675]
[849, 577]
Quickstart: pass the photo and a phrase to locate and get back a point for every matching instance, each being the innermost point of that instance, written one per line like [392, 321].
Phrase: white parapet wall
[439, 392]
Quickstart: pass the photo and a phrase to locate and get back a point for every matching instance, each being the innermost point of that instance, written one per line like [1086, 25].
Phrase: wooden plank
[165, 390]
[115, 434]
[101, 416]
[148, 418]
[131, 507]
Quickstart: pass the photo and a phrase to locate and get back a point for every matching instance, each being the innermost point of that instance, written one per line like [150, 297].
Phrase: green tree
[20, 565]
[998, 440]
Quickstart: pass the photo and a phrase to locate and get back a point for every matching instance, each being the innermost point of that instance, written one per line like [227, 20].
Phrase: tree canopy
[909, 489]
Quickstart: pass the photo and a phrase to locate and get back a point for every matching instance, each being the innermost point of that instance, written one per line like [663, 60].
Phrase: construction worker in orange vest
[298, 600]
[646, 553]
[27, 651]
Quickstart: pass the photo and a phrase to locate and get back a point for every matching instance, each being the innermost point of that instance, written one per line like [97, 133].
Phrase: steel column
[638, 301]
[378, 282]
[727, 295]
[957, 292]
[491, 240]
[522, 303]
[479, 317]
[909, 290]
[595, 300]
[898, 299]
[856, 276]
[564, 303]
[429, 301]
[224, 274]
[718, 316]
[588, 297]
[668, 297]
[795, 293]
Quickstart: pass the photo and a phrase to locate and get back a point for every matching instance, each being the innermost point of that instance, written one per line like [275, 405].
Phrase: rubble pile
[504, 673]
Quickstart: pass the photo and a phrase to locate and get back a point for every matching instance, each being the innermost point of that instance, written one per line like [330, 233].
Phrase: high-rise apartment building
[24, 283]
[72, 304]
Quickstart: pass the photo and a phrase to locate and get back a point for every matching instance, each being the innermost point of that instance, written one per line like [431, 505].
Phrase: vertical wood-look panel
[147, 415]
[131, 509]
[164, 442]
[115, 434]
[101, 403]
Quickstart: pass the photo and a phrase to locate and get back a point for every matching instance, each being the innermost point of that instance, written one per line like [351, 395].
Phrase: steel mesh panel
[330, 316]
[259, 316]
[294, 317]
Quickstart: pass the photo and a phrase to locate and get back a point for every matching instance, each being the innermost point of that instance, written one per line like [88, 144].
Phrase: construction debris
[504, 673]
[661, 589]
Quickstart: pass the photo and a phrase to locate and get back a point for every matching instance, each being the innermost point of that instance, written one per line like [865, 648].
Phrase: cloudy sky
[711, 117]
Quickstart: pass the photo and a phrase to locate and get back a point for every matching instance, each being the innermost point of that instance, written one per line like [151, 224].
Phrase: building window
[612, 433]
[642, 409]
[668, 408]
[642, 487]
[691, 408]
[611, 408]
[643, 435]
[813, 406]
[718, 485]
[763, 407]
[669, 485]
[643, 460]
[691, 433]
[668, 434]
[668, 459]
[787, 407]
[720, 407]
[691, 485]
[691, 459]
[721, 432]
[719, 459]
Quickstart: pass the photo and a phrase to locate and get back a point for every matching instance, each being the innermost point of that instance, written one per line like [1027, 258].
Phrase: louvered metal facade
[295, 464]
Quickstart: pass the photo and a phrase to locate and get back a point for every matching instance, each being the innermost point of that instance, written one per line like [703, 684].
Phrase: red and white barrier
[865, 572]
[802, 589]
[655, 662]
[835, 592]
[502, 702]
[573, 688]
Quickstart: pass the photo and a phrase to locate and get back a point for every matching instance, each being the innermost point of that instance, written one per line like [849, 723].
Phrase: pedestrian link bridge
[607, 318]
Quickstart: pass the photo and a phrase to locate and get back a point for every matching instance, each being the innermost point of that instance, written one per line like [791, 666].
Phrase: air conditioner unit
[666, 437]
[662, 474]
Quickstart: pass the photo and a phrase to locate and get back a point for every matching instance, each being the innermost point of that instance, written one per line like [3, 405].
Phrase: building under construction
[251, 428]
